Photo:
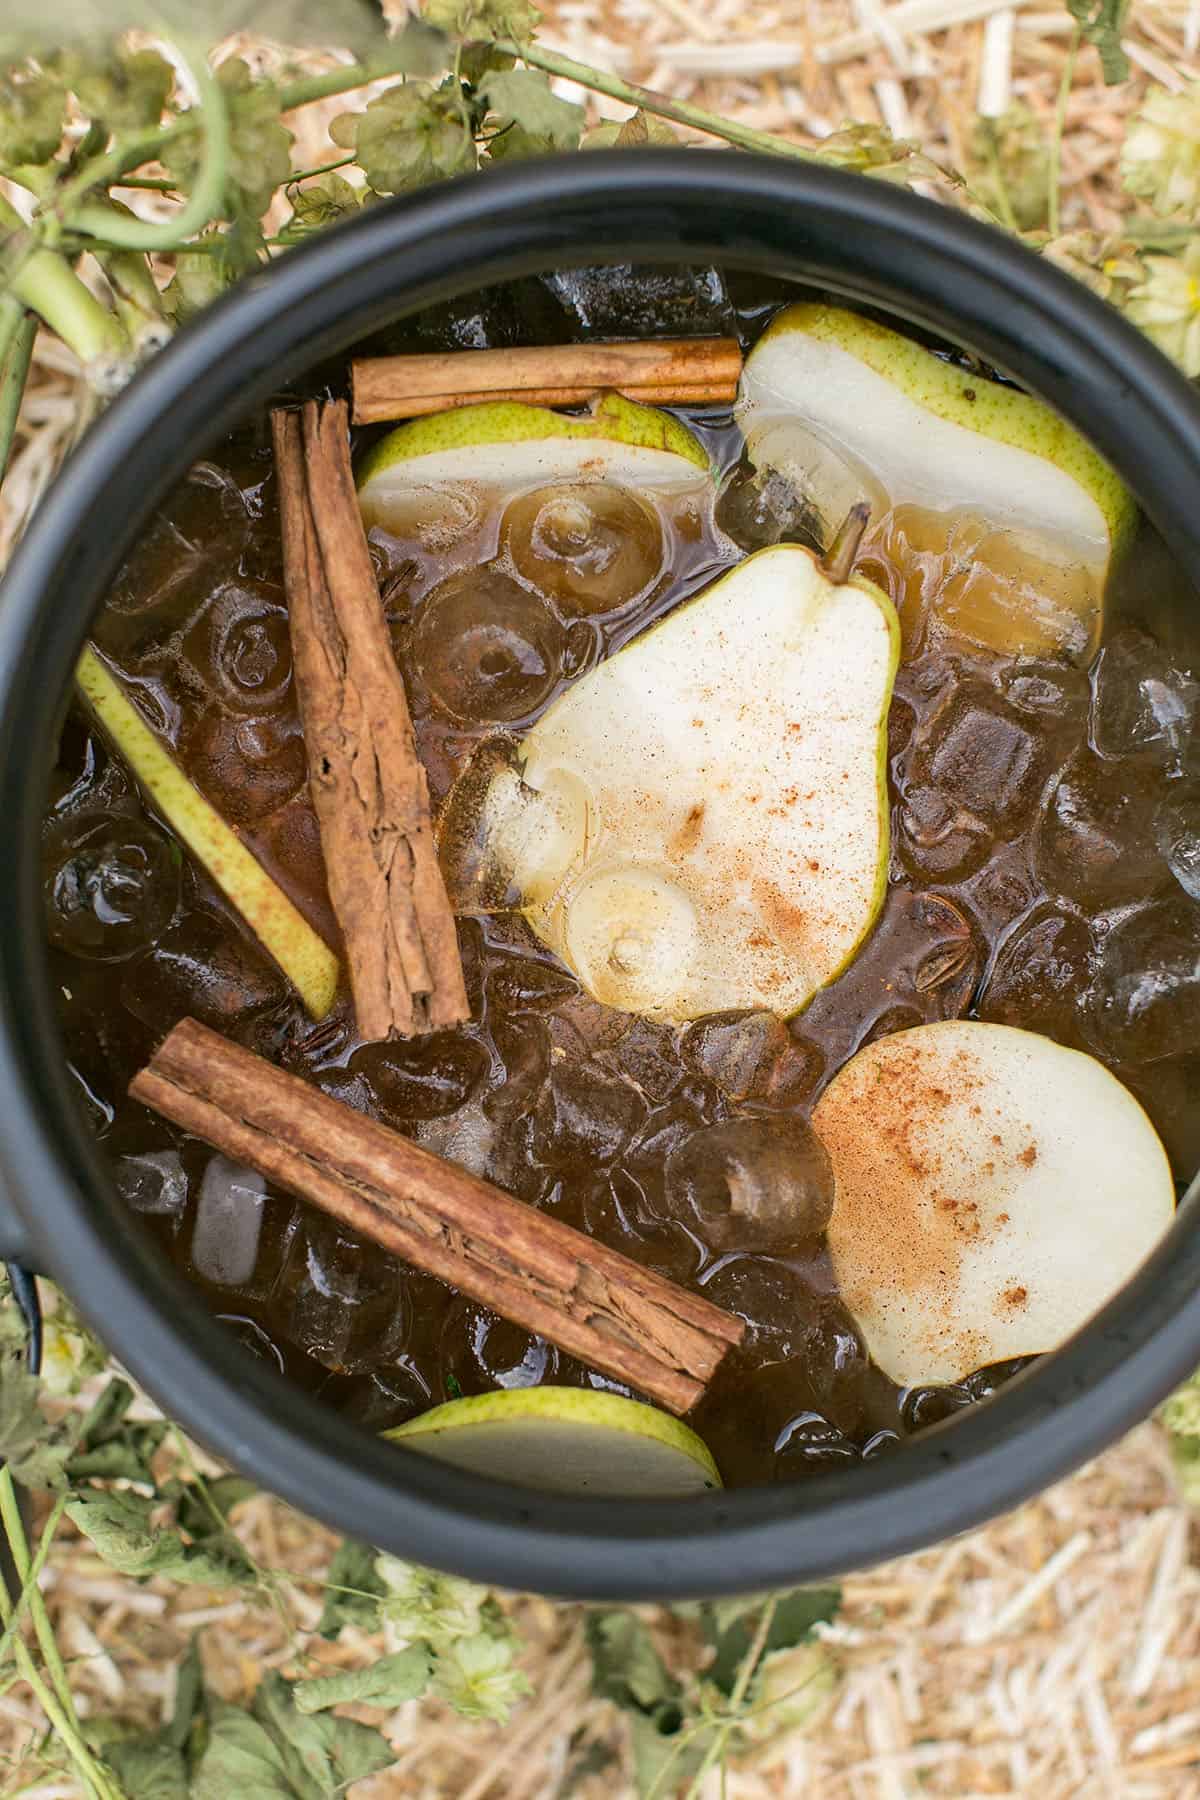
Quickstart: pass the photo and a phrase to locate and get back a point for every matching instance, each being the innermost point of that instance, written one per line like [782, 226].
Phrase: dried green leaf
[189, 1698]
[113, 1447]
[352, 1596]
[123, 1529]
[319, 1755]
[477, 1677]
[36, 1449]
[202, 1507]
[1101, 22]
[125, 89]
[148, 1769]
[412, 134]
[666, 1762]
[389, 1682]
[512, 20]
[634, 133]
[241, 1758]
[626, 1667]
[33, 104]
[529, 116]
[792, 1622]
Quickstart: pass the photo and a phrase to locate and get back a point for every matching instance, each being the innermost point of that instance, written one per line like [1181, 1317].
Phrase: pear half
[566, 1441]
[700, 823]
[505, 446]
[1026, 514]
[991, 1191]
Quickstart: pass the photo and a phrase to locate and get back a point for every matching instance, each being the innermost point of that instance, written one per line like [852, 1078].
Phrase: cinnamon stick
[543, 1275]
[368, 787]
[656, 371]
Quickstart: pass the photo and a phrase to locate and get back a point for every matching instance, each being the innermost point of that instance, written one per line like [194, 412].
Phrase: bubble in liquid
[752, 1184]
[588, 546]
[487, 649]
[111, 884]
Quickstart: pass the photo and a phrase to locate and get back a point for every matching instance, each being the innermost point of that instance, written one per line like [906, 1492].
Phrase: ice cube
[979, 754]
[202, 966]
[202, 520]
[627, 300]
[423, 1078]
[111, 884]
[759, 1183]
[494, 1148]
[229, 1216]
[1041, 976]
[339, 1300]
[585, 1117]
[776, 1299]
[486, 649]
[1145, 1001]
[152, 1181]
[478, 1350]
[587, 546]
[240, 646]
[647, 1056]
[743, 1053]
[528, 983]
[247, 767]
[1143, 704]
[1177, 833]
[1097, 841]
[502, 842]
[1054, 695]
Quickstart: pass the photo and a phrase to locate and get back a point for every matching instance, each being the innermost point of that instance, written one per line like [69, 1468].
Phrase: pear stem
[838, 560]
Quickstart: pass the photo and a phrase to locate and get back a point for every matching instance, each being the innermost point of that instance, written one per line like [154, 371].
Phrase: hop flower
[476, 1675]
[1167, 305]
[421, 1603]
[1103, 263]
[1161, 157]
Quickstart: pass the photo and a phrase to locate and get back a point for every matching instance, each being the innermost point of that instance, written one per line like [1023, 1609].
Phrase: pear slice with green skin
[507, 446]
[992, 1190]
[700, 824]
[304, 957]
[566, 1441]
[840, 403]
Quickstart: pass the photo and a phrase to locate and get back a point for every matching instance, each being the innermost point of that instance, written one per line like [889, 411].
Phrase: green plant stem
[1054, 161]
[680, 111]
[14, 371]
[14, 1530]
[44, 281]
[737, 1698]
[31, 1580]
[205, 199]
[62, 1719]
[150, 184]
[322, 169]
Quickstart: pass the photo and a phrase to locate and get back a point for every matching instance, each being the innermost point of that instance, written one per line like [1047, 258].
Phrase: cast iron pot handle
[18, 1260]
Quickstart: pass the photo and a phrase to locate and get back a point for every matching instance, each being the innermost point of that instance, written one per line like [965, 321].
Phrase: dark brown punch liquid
[1045, 855]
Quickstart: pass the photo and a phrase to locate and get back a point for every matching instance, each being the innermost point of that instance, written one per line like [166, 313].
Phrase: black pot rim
[866, 240]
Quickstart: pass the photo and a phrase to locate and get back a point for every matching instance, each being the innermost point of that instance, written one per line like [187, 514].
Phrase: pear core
[725, 842]
[837, 402]
[991, 1191]
[566, 1441]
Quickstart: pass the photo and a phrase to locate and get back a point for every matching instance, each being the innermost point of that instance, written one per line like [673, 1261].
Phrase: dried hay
[1055, 1653]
